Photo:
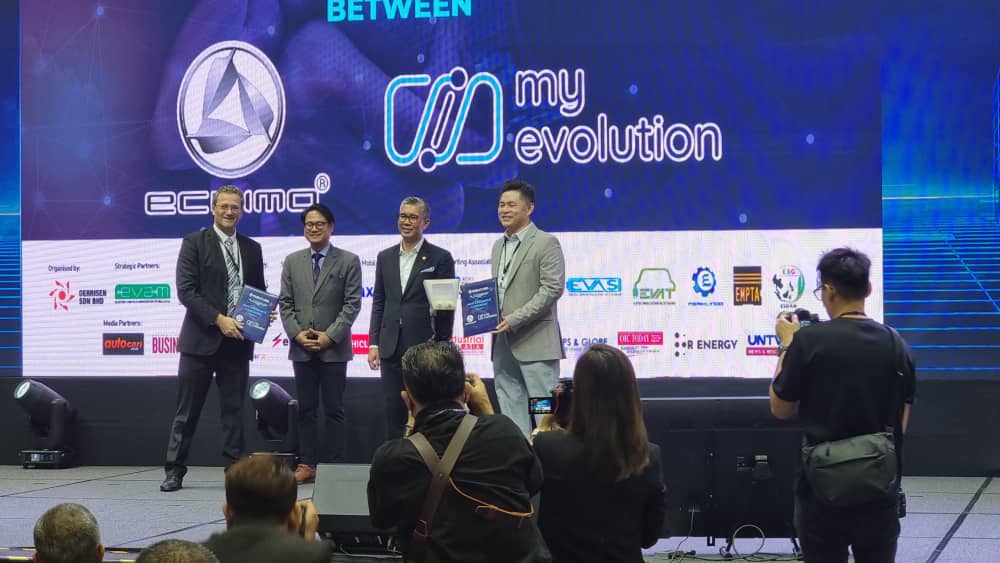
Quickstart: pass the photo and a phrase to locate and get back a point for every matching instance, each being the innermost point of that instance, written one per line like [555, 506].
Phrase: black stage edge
[124, 420]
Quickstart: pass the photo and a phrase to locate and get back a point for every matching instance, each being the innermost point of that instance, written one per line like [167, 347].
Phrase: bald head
[68, 533]
[176, 551]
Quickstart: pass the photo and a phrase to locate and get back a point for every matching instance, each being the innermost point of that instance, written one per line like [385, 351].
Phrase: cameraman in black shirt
[845, 378]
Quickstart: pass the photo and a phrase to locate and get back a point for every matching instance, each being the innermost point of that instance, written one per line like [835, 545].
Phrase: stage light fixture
[51, 418]
[277, 416]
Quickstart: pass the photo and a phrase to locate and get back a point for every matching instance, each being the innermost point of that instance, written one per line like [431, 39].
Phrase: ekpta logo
[124, 344]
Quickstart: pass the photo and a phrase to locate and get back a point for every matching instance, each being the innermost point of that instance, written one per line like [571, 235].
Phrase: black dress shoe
[171, 483]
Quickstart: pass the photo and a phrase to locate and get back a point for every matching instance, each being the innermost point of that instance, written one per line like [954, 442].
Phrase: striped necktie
[233, 284]
[316, 258]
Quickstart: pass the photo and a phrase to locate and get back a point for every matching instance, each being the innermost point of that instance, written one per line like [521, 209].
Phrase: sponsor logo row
[657, 286]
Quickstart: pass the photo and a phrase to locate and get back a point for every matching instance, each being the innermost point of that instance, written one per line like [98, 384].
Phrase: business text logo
[594, 286]
[433, 145]
[789, 285]
[163, 344]
[746, 285]
[441, 123]
[654, 286]
[231, 109]
[142, 293]
[123, 343]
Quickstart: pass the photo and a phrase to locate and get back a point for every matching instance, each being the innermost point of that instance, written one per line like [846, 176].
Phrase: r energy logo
[440, 125]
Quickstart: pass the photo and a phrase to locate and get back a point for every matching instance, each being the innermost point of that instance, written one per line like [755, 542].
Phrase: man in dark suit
[213, 266]
[264, 523]
[320, 299]
[401, 315]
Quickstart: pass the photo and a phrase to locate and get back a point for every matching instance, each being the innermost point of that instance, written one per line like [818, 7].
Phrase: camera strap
[440, 469]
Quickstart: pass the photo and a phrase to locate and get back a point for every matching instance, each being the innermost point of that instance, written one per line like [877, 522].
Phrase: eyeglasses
[316, 225]
[404, 218]
[818, 292]
[228, 208]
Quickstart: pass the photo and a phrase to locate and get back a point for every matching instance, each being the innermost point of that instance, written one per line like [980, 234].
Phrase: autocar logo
[231, 109]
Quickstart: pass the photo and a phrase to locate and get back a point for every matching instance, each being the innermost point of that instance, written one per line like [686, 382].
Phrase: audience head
[176, 551]
[844, 276]
[68, 533]
[606, 413]
[260, 489]
[433, 372]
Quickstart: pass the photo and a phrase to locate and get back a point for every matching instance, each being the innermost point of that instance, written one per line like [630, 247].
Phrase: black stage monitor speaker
[341, 498]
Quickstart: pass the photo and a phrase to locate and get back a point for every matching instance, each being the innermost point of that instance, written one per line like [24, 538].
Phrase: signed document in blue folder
[480, 307]
[254, 311]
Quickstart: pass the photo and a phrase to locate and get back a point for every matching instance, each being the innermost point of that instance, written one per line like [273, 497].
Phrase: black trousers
[825, 532]
[392, 383]
[231, 366]
[314, 380]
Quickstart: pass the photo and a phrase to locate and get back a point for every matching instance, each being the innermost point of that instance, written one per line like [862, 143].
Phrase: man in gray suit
[320, 298]
[530, 270]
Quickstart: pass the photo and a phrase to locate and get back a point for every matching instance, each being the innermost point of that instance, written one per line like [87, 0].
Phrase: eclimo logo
[231, 109]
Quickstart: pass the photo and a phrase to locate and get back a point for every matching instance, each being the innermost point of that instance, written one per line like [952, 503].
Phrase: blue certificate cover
[480, 307]
[254, 311]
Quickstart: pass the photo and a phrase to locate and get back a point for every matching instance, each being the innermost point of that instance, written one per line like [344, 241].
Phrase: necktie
[233, 283]
[316, 258]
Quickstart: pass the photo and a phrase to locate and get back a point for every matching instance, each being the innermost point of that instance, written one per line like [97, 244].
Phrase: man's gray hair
[67, 533]
[176, 551]
[414, 200]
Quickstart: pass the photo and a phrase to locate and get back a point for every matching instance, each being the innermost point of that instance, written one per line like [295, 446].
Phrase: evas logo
[432, 146]
[231, 109]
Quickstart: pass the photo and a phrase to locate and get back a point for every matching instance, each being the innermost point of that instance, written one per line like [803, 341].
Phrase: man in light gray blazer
[530, 270]
[320, 299]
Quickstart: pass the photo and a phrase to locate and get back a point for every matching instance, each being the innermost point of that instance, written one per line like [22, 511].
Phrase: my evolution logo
[443, 119]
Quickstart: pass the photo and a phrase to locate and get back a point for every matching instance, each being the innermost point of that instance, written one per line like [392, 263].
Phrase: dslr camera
[805, 317]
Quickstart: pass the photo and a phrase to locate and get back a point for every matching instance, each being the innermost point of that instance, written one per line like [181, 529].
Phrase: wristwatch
[782, 349]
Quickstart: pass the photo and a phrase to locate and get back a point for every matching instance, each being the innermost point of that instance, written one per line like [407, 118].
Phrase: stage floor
[951, 519]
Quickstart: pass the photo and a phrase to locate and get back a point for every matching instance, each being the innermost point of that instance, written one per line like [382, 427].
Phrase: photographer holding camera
[603, 497]
[852, 381]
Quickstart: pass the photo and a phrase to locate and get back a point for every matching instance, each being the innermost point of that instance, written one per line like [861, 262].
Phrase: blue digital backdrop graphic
[838, 115]
[628, 118]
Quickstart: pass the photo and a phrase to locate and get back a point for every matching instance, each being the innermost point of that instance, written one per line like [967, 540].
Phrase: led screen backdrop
[685, 154]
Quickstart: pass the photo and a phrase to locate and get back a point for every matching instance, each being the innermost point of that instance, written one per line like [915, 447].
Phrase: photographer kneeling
[603, 497]
[852, 382]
